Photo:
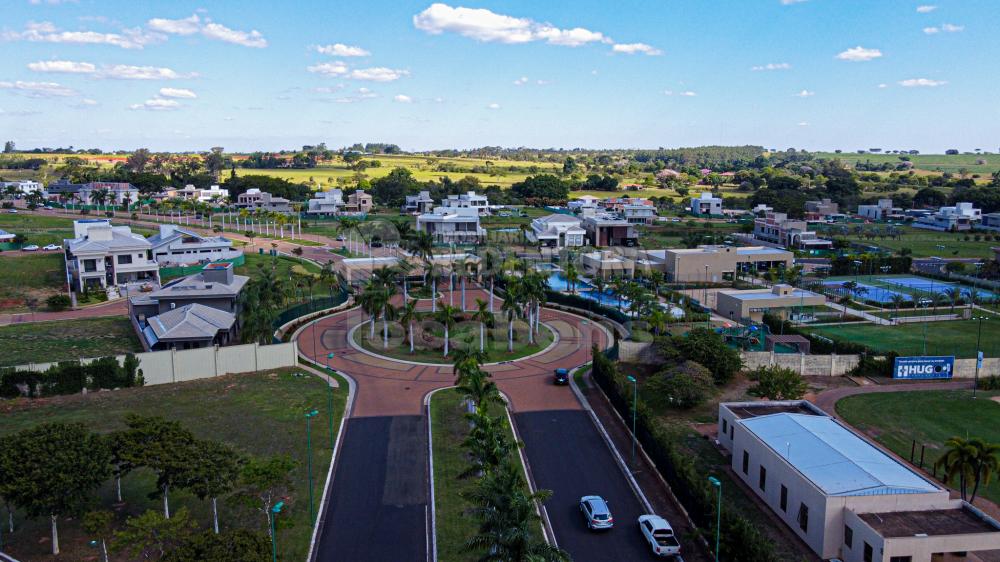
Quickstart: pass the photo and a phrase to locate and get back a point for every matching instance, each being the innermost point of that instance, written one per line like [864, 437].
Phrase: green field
[35, 276]
[952, 337]
[449, 429]
[896, 419]
[44, 342]
[930, 162]
[258, 414]
[925, 243]
[45, 229]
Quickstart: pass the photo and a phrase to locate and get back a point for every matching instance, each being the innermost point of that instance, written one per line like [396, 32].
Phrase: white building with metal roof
[841, 494]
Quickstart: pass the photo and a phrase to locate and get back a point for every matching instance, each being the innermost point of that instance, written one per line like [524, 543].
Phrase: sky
[256, 75]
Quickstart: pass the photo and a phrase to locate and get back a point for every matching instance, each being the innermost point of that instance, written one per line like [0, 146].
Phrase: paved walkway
[112, 308]
[828, 400]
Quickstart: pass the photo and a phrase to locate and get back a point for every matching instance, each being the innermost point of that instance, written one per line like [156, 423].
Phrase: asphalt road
[378, 501]
[568, 456]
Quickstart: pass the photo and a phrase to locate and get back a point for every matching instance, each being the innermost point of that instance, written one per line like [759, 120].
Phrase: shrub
[777, 383]
[641, 336]
[875, 365]
[706, 347]
[991, 382]
[683, 385]
[58, 302]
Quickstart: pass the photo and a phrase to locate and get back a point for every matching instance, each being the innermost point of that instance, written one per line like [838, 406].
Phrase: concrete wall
[805, 365]
[162, 367]
[636, 352]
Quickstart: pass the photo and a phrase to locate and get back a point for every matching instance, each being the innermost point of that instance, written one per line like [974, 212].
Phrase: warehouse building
[754, 303]
[842, 495]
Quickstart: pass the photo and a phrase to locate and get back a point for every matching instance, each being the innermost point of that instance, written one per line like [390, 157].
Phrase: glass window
[725, 427]
[746, 462]
[868, 553]
[848, 536]
[804, 517]
[900, 559]
[89, 265]
[762, 478]
[125, 259]
[784, 498]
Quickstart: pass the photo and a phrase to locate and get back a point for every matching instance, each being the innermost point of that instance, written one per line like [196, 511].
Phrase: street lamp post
[274, 538]
[309, 459]
[718, 513]
[329, 398]
[635, 402]
[979, 354]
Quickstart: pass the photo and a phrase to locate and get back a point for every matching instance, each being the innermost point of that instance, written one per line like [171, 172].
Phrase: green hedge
[71, 377]
[740, 538]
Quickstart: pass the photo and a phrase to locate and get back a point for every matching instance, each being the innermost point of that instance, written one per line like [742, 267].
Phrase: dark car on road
[561, 377]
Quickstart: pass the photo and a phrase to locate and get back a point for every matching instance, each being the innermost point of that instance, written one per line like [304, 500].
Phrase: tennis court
[866, 292]
[939, 287]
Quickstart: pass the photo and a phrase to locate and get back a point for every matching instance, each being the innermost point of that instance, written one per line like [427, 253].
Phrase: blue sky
[814, 74]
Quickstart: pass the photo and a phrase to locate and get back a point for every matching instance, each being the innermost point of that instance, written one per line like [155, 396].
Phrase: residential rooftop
[931, 522]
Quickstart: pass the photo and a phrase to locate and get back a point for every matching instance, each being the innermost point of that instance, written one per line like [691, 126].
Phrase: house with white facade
[991, 221]
[879, 211]
[117, 193]
[777, 228]
[254, 199]
[24, 187]
[558, 231]
[468, 200]
[420, 203]
[174, 245]
[102, 255]
[706, 205]
[327, 203]
[961, 216]
[452, 224]
[637, 213]
[583, 202]
[190, 192]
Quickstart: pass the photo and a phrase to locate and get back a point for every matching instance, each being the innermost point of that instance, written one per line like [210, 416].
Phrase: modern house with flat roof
[174, 245]
[821, 210]
[961, 216]
[777, 228]
[211, 195]
[841, 494]
[752, 304]
[714, 262]
[557, 231]
[706, 205]
[459, 225]
[117, 193]
[356, 271]
[194, 311]
[23, 187]
[582, 202]
[254, 199]
[419, 203]
[466, 200]
[327, 203]
[880, 211]
[100, 256]
[608, 230]
[359, 203]
[639, 213]
[607, 264]
[991, 221]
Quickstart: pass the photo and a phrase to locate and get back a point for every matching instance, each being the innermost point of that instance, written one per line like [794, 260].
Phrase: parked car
[30, 248]
[51, 247]
[561, 377]
[596, 512]
[12, 211]
[341, 238]
[660, 535]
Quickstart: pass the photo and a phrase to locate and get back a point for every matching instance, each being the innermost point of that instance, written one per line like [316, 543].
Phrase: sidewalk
[656, 489]
[113, 308]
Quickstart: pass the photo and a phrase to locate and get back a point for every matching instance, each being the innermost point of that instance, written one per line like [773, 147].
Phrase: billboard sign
[935, 367]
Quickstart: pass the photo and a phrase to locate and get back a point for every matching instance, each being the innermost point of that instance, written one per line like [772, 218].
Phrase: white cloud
[402, 98]
[156, 104]
[181, 93]
[543, 82]
[487, 26]
[127, 72]
[633, 48]
[88, 102]
[922, 83]
[932, 30]
[328, 89]
[951, 28]
[668, 92]
[805, 94]
[50, 2]
[46, 32]
[39, 89]
[803, 124]
[883, 86]
[209, 29]
[378, 74]
[361, 95]
[859, 54]
[925, 9]
[184, 26]
[790, 2]
[66, 66]
[688, 94]
[493, 106]
[336, 68]
[521, 81]
[341, 50]
[771, 66]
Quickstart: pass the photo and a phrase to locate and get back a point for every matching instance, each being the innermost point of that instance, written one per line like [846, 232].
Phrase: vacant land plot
[44, 342]
[927, 243]
[953, 337]
[258, 414]
[30, 277]
[954, 163]
[44, 229]
[897, 419]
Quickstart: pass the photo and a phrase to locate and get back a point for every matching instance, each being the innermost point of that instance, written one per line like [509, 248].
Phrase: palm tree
[370, 301]
[385, 279]
[490, 263]
[446, 315]
[987, 462]
[656, 320]
[512, 307]
[954, 294]
[572, 275]
[476, 385]
[897, 301]
[600, 284]
[432, 270]
[408, 314]
[461, 268]
[485, 318]
[958, 462]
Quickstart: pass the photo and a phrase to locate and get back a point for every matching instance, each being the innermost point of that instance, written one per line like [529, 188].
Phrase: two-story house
[256, 200]
[420, 203]
[115, 193]
[558, 231]
[326, 203]
[176, 245]
[100, 255]
[468, 200]
[452, 224]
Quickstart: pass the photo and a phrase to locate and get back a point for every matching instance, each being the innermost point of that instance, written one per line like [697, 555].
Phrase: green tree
[681, 385]
[408, 314]
[958, 463]
[163, 446]
[447, 315]
[153, 534]
[263, 480]
[486, 320]
[777, 383]
[704, 346]
[237, 544]
[58, 467]
[214, 473]
[98, 524]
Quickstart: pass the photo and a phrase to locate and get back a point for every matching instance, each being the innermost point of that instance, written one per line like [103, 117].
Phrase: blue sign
[923, 367]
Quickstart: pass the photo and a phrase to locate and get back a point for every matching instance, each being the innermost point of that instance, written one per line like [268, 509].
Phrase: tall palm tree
[433, 271]
[986, 464]
[572, 275]
[512, 308]
[408, 314]
[461, 268]
[371, 303]
[485, 318]
[954, 294]
[384, 279]
[491, 260]
[958, 462]
[897, 301]
[477, 385]
[446, 315]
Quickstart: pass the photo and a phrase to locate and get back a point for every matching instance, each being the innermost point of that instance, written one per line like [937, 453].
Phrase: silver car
[595, 510]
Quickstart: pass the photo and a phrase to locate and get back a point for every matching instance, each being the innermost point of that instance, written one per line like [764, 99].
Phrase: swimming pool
[547, 267]
[557, 282]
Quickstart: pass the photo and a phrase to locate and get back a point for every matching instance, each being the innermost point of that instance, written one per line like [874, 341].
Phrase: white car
[660, 535]
[51, 247]
[12, 211]
[30, 248]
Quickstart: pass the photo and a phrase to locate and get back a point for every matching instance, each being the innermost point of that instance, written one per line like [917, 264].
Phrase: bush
[683, 385]
[58, 302]
[641, 336]
[991, 382]
[708, 348]
[875, 365]
[71, 377]
[777, 383]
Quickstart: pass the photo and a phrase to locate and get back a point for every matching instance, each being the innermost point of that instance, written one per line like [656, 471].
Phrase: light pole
[979, 354]
[718, 513]
[329, 398]
[708, 322]
[309, 459]
[274, 539]
[635, 402]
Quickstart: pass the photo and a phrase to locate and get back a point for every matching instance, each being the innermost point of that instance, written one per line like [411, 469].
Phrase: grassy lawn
[65, 340]
[286, 267]
[896, 419]
[431, 350]
[930, 162]
[256, 413]
[449, 428]
[35, 276]
[45, 229]
[924, 243]
[952, 337]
